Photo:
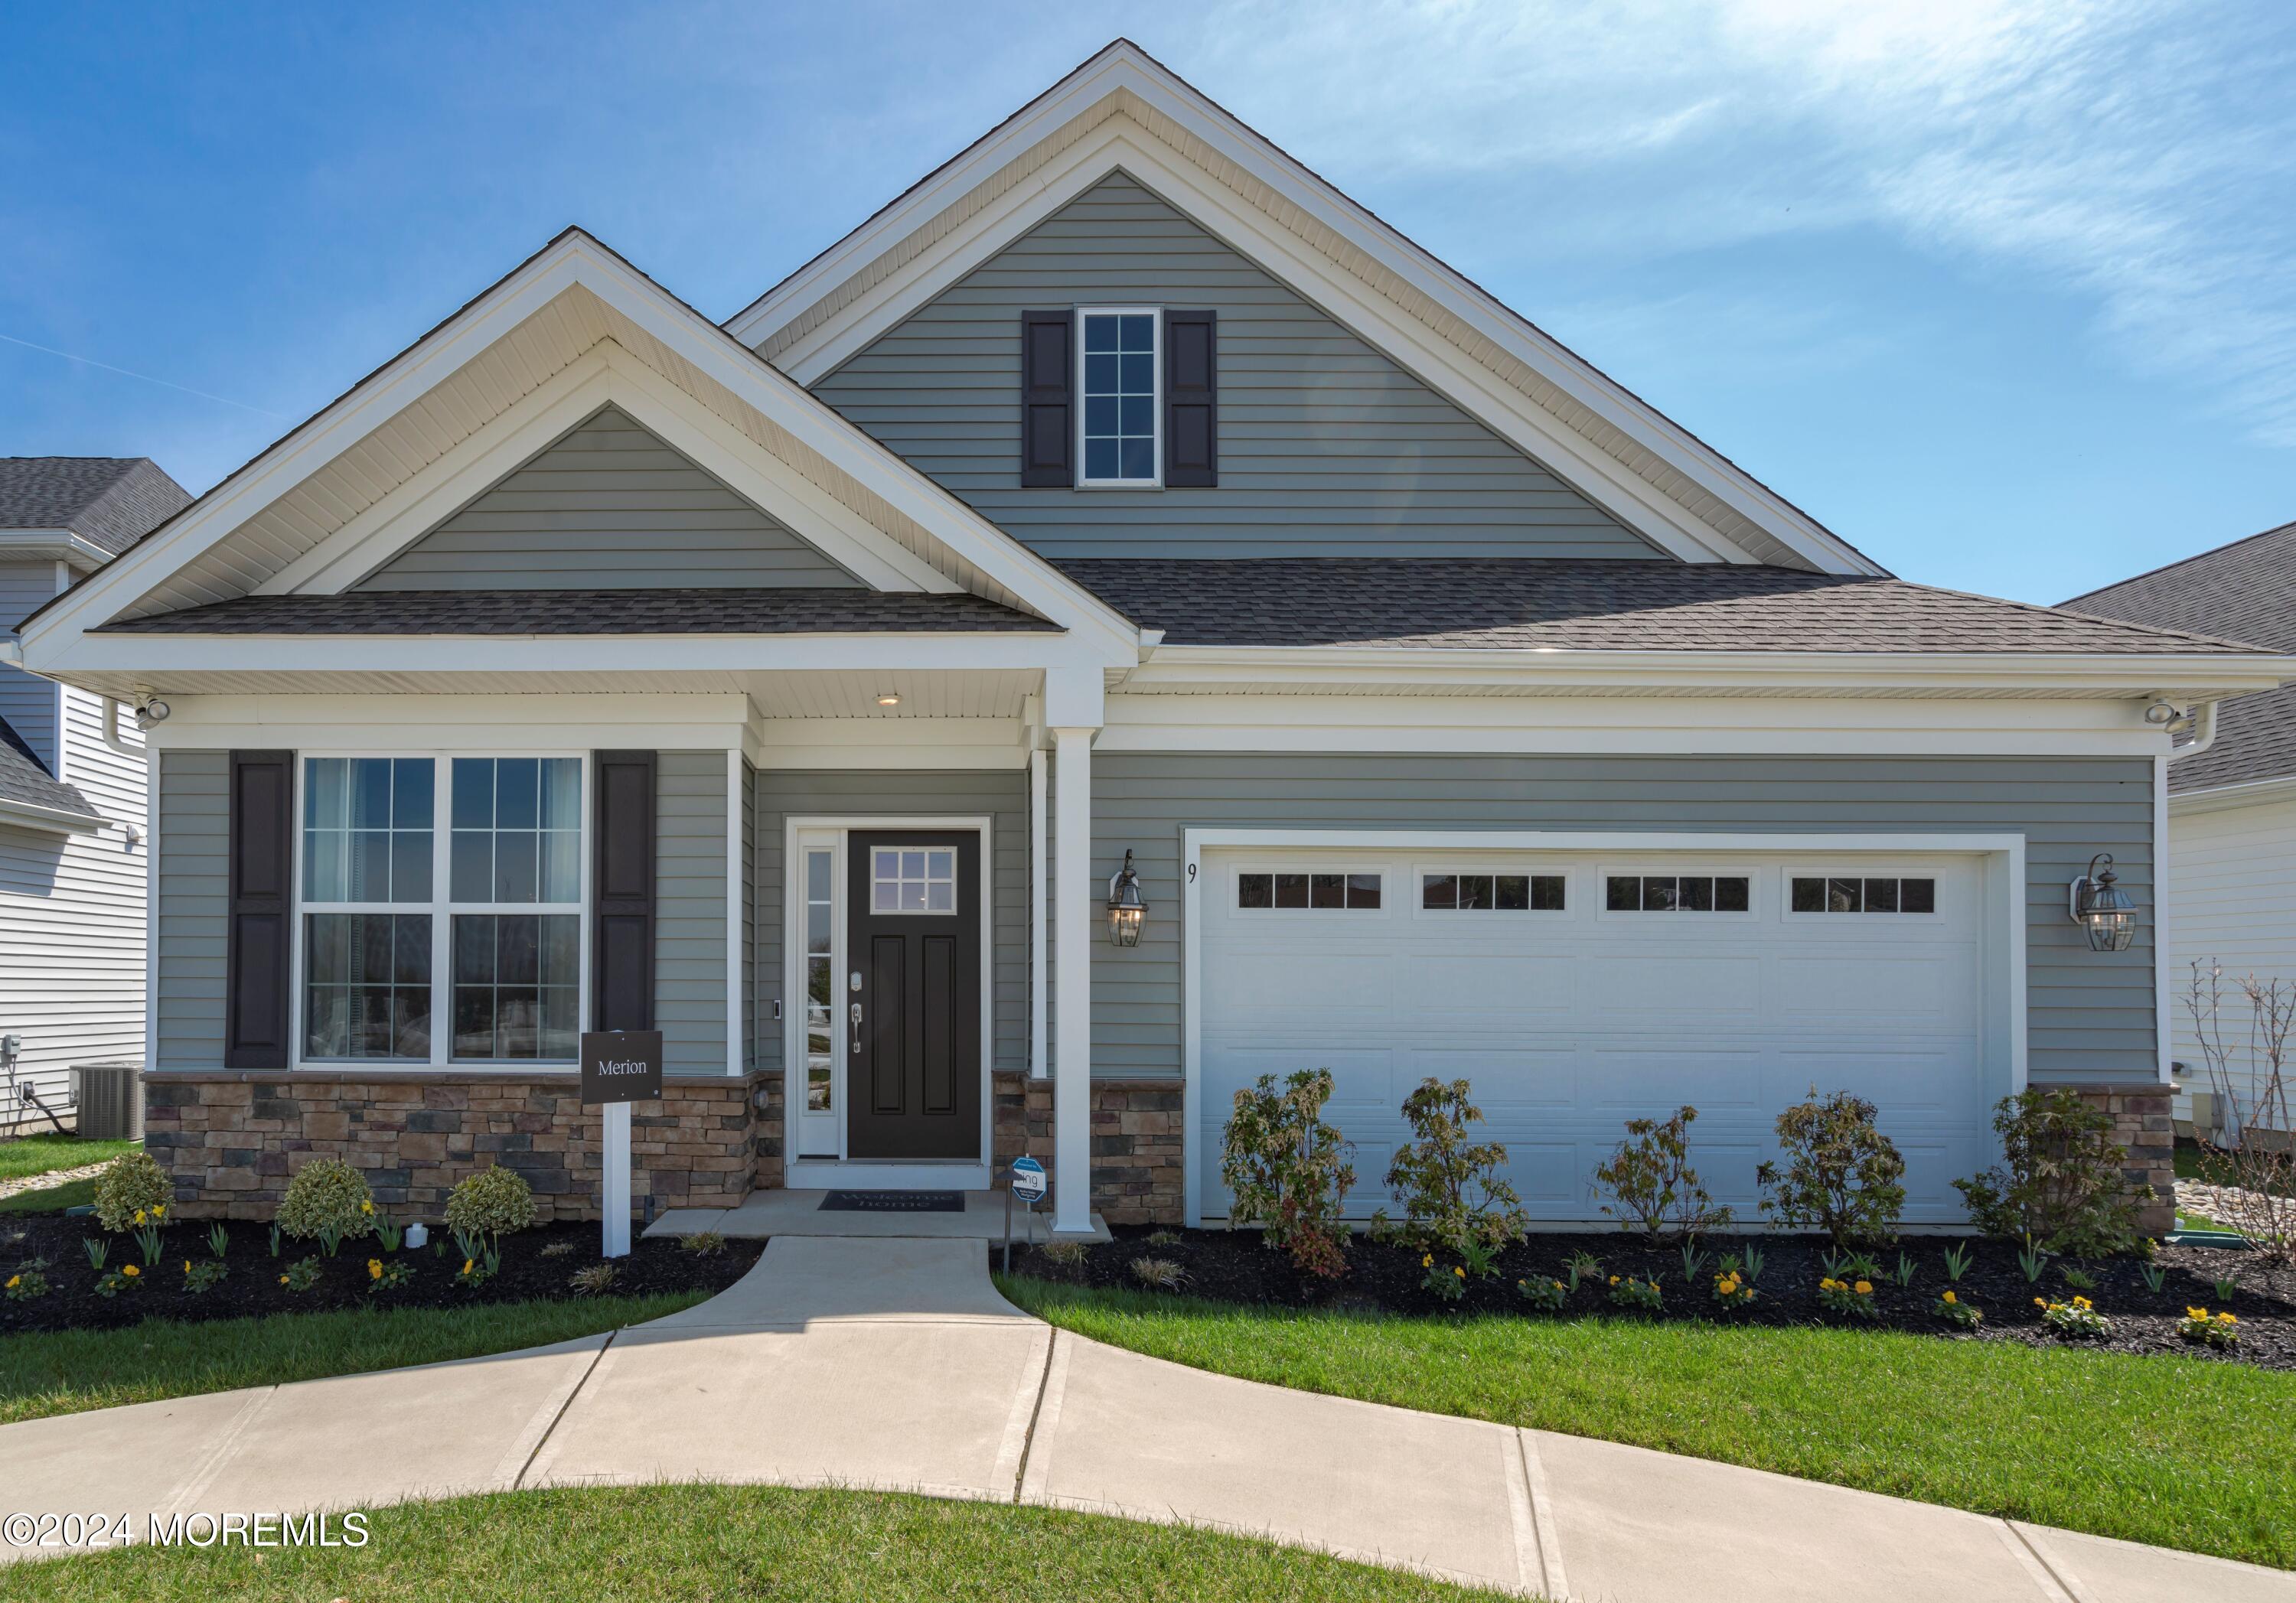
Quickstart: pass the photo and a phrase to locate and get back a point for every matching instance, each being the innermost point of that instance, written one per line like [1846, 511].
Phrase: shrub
[1651, 1183]
[595, 1281]
[1288, 1170]
[1449, 1187]
[1546, 1292]
[326, 1199]
[204, 1274]
[1158, 1274]
[2220, 1329]
[127, 1277]
[2078, 1319]
[1731, 1290]
[1842, 1174]
[1066, 1253]
[492, 1203]
[1854, 1298]
[384, 1277]
[1445, 1282]
[132, 1183]
[29, 1282]
[702, 1243]
[1629, 1291]
[2062, 1183]
[301, 1275]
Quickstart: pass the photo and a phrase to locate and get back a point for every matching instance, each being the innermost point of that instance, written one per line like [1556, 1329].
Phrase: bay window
[429, 944]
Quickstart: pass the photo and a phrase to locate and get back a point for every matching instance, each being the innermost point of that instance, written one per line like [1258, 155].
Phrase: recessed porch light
[889, 699]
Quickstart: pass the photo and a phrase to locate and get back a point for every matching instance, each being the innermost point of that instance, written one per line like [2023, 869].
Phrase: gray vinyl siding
[1326, 447]
[2090, 1015]
[690, 891]
[610, 506]
[28, 704]
[193, 881]
[1002, 795]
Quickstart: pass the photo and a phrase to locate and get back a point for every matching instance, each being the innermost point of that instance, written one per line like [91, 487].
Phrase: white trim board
[1113, 111]
[2005, 888]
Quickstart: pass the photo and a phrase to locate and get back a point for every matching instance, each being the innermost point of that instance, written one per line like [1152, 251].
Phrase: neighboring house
[1120, 493]
[2231, 792]
[72, 799]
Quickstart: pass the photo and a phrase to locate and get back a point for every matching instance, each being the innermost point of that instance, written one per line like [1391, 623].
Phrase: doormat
[893, 1202]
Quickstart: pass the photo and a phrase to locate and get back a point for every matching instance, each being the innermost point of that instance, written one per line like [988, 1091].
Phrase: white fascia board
[2220, 799]
[608, 374]
[1601, 840]
[1183, 667]
[51, 545]
[453, 723]
[30, 815]
[576, 259]
[1626, 724]
[1124, 75]
[158, 655]
[884, 744]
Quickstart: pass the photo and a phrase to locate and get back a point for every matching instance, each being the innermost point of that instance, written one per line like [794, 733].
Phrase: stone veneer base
[2144, 1123]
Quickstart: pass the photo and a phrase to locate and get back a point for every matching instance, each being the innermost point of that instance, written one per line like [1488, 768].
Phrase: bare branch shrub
[2248, 1151]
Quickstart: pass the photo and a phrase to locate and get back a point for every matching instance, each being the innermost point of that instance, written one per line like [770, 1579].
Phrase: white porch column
[1072, 932]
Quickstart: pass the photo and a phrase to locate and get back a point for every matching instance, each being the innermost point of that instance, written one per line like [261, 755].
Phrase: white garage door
[1575, 991]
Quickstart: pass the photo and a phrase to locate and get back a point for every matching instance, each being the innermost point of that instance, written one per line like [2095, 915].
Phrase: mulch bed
[536, 1264]
[1235, 1267]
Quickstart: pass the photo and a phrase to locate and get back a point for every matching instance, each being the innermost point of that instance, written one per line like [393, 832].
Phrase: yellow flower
[130, 1271]
[283, 1279]
[139, 1215]
[374, 1269]
[1951, 1299]
[2082, 1302]
[2196, 1313]
[158, 1210]
[1864, 1288]
[187, 1267]
[2226, 1319]
[1614, 1280]
[2040, 1302]
[367, 1207]
[1427, 1259]
[466, 1265]
[14, 1280]
[1460, 1273]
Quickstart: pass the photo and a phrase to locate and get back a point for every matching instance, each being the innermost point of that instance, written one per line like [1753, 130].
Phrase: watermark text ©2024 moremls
[262, 1529]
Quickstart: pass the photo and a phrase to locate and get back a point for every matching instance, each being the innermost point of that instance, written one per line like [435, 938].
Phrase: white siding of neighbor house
[2232, 883]
[71, 918]
[27, 703]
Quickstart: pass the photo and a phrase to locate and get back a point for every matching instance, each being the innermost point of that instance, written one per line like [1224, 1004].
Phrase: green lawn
[51, 1199]
[24, 1155]
[726, 1543]
[67, 1371]
[2176, 1451]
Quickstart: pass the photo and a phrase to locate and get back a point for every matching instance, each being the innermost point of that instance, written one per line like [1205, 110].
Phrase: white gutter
[31, 814]
[2204, 733]
[111, 731]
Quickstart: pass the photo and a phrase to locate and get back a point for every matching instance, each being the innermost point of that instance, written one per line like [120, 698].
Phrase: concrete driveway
[893, 1364]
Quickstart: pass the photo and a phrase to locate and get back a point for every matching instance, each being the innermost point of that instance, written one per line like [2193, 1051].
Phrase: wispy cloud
[2138, 153]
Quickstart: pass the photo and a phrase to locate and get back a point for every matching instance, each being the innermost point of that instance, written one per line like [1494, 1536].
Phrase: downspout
[111, 732]
[2204, 733]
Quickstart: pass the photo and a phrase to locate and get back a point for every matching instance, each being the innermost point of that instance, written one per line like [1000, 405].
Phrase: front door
[912, 997]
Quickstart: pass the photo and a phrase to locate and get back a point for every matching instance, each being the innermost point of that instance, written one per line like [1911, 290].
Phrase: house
[72, 796]
[1119, 496]
[2232, 792]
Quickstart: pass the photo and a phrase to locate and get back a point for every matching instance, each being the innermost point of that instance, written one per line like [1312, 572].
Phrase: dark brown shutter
[1048, 415]
[261, 918]
[1191, 399]
[621, 943]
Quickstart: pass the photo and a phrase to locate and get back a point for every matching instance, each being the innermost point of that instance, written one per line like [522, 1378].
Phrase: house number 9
[1192, 873]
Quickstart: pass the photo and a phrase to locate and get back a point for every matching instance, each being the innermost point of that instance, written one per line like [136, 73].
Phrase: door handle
[856, 1029]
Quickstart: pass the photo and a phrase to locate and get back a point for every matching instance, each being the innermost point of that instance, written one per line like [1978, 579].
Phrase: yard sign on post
[1026, 1183]
[619, 1067]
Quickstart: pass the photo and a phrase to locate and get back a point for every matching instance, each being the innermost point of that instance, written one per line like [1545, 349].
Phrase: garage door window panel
[1686, 893]
[1904, 895]
[1319, 890]
[1474, 890]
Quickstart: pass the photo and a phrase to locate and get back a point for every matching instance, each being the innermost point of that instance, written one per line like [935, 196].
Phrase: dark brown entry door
[913, 1067]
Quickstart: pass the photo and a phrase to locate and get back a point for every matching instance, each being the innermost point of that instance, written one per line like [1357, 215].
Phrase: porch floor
[782, 1212]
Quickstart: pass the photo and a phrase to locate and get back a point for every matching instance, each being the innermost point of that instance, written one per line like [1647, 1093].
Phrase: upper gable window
[1117, 434]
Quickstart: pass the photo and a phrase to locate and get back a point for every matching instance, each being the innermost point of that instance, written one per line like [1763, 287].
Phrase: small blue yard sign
[1028, 1180]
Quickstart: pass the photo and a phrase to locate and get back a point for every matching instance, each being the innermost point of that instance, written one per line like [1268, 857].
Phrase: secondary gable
[1327, 447]
[610, 506]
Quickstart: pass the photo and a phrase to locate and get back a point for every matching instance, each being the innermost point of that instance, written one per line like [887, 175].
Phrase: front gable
[1122, 111]
[611, 505]
[1327, 447]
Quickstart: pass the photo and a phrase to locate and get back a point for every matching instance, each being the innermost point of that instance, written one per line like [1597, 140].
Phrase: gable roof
[802, 610]
[1124, 109]
[1605, 604]
[2246, 589]
[29, 792]
[573, 327]
[110, 502]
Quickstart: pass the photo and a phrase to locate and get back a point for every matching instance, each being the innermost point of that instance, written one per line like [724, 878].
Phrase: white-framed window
[1120, 397]
[1307, 890]
[431, 939]
[1902, 894]
[1695, 892]
[1491, 890]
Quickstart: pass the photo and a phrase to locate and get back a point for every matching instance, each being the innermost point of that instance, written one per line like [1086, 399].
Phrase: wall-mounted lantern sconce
[2097, 903]
[1127, 912]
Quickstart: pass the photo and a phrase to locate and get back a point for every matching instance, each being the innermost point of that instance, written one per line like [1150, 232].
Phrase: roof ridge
[2198, 556]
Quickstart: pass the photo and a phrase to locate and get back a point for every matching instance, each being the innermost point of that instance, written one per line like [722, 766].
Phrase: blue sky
[2000, 291]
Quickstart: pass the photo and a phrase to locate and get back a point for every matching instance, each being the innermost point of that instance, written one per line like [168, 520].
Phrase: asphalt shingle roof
[111, 502]
[785, 611]
[23, 778]
[2248, 590]
[1589, 605]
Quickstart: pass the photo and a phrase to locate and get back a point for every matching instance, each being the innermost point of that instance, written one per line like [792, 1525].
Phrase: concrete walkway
[893, 1364]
